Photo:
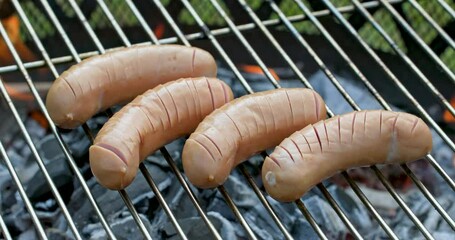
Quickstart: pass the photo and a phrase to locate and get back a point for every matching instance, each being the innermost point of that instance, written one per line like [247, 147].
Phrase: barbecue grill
[259, 27]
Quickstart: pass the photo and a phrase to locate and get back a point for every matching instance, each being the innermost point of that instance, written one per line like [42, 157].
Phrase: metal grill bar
[147, 177]
[39, 228]
[402, 204]
[404, 167]
[188, 190]
[419, 40]
[400, 86]
[264, 201]
[333, 80]
[249, 90]
[73, 165]
[245, 43]
[252, 52]
[310, 219]
[236, 30]
[369, 206]
[386, 106]
[29, 141]
[433, 23]
[447, 8]
[194, 36]
[137, 219]
[52, 125]
[221, 189]
[338, 210]
[430, 197]
[4, 229]
[163, 150]
[237, 213]
[142, 22]
[161, 200]
[302, 78]
[143, 169]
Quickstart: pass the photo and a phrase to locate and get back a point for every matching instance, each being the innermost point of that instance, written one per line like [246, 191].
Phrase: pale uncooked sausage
[355, 139]
[246, 126]
[102, 81]
[150, 121]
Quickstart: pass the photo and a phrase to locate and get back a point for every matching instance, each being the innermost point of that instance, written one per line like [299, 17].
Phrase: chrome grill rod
[3, 228]
[20, 188]
[419, 41]
[403, 89]
[356, 189]
[433, 23]
[194, 36]
[75, 55]
[28, 139]
[65, 149]
[418, 183]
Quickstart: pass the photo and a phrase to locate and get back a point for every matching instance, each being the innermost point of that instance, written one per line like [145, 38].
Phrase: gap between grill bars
[237, 31]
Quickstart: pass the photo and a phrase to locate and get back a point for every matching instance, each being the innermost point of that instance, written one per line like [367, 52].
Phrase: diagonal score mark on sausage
[173, 103]
[194, 99]
[211, 94]
[353, 126]
[316, 104]
[297, 146]
[141, 137]
[306, 140]
[202, 145]
[317, 136]
[165, 109]
[213, 142]
[226, 96]
[275, 160]
[339, 129]
[289, 153]
[326, 133]
[236, 127]
[140, 106]
[192, 62]
[113, 150]
[414, 125]
[393, 147]
[199, 108]
[69, 85]
[290, 107]
[272, 111]
[258, 105]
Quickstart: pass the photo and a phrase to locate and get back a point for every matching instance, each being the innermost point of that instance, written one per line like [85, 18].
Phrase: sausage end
[59, 103]
[200, 167]
[203, 63]
[110, 169]
[272, 179]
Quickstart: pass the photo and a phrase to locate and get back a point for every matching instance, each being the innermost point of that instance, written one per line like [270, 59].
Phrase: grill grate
[213, 37]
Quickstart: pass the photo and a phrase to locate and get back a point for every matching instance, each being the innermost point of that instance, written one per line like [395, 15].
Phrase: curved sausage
[150, 121]
[351, 140]
[246, 126]
[102, 81]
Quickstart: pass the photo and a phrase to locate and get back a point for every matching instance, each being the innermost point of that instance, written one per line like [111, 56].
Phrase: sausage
[356, 139]
[102, 81]
[246, 126]
[150, 121]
